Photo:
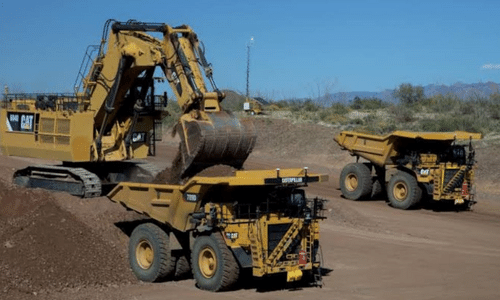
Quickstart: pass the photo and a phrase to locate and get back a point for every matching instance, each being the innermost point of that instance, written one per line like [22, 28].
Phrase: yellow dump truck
[408, 165]
[260, 220]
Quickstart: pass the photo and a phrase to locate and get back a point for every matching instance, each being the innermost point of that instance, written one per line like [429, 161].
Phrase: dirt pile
[44, 248]
[281, 138]
[173, 175]
[170, 177]
[217, 170]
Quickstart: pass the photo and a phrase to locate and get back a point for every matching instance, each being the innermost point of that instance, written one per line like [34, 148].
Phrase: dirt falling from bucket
[173, 175]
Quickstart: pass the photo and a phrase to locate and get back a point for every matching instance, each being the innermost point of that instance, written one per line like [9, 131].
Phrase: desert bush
[338, 108]
[494, 110]
[441, 103]
[409, 94]
[376, 124]
[294, 105]
[368, 103]
[457, 122]
[174, 111]
[402, 113]
[358, 121]
[494, 106]
[309, 105]
[468, 108]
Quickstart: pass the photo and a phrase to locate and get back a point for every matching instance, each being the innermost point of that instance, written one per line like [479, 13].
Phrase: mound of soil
[173, 174]
[168, 176]
[217, 171]
[282, 138]
[43, 247]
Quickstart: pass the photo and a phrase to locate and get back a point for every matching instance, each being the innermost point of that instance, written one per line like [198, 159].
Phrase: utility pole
[248, 68]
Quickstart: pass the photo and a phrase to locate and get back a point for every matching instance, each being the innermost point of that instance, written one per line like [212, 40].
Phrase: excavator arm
[117, 87]
[209, 135]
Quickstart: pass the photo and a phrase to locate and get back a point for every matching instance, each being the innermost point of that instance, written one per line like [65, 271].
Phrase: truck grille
[453, 180]
[275, 233]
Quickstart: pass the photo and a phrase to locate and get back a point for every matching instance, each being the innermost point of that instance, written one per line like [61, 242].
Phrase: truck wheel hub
[400, 191]
[144, 254]
[207, 262]
[351, 182]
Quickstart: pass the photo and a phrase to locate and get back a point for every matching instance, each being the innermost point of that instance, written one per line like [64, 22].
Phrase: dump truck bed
[173, 204]
[379, 149]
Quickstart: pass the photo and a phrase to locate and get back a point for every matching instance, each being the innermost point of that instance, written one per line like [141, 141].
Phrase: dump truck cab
[258, 220]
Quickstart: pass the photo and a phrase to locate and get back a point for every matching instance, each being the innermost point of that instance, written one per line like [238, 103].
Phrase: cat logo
[138, 137]
[26, 122]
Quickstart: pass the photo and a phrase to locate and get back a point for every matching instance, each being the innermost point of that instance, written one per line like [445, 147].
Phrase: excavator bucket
[218, 138]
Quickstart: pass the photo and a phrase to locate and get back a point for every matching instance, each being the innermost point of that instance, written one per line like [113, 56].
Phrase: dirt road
[372, 250]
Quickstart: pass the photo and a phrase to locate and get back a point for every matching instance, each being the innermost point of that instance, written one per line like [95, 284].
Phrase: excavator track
[75, 181]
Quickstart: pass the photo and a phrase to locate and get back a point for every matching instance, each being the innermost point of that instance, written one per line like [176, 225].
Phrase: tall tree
[408, 94]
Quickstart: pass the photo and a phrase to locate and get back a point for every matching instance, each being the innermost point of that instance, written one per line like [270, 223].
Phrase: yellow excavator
[113, 118]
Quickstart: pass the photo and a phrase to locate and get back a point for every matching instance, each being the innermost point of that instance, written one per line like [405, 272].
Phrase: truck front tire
[356, 181]
[403, 190]
[213, 264]
[149, 253]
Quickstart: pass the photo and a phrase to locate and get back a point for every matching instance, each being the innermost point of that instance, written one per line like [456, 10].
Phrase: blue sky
[301, 48]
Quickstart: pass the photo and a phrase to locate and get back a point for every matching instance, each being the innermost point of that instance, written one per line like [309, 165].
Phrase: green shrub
[453, 123]
[368, 103]
[409, 94]
[441, 103]
[174, 111]
[495, 111]
[402, 113]
[309, 105]
[338, 108]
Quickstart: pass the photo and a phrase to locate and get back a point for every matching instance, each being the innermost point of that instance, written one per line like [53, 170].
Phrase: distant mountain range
[462, 90]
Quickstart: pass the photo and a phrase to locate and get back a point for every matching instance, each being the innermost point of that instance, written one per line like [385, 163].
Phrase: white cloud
[491, 66]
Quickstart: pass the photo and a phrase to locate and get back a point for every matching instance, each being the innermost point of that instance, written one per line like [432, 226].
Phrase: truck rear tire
[213, 264]
[149, 253]
[403, 190]
[356, 181]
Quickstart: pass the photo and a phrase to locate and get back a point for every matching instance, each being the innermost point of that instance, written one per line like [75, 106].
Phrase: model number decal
[14, 118]
[191, 197]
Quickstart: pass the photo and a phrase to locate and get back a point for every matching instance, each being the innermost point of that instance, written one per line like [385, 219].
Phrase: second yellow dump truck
[218, 226]
[408, 165]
